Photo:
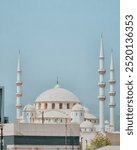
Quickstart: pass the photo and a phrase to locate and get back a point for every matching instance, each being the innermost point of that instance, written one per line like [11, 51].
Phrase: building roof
[86, 124]
[77, 107]
[29, 107]
[54, 114]
[89, 116]
[57, 94]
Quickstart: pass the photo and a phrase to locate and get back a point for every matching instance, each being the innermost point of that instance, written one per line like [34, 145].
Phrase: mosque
[57, 120]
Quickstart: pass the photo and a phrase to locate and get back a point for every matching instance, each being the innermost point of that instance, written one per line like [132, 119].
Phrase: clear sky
[58, 38]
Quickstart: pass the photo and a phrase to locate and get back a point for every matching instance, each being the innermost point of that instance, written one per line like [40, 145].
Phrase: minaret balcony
[18, 105]
[101, 71]
[101, 57]
[102, 97]
[112, 69]
[102, 84]
[112, 93]
[112, 104]
[112, 81]
[18, 71]
[18, 94]
[19, 83]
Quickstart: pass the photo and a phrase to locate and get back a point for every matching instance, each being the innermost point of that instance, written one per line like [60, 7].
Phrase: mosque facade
[57, 119]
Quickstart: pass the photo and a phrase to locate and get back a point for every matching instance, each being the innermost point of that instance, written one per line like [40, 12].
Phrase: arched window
[46, 105]
[53, 105]
[68, 106]
[60, 105]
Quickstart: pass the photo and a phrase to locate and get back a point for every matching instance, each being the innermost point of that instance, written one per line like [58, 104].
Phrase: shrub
[100, 140]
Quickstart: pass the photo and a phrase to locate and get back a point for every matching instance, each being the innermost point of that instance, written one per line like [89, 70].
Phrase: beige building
[24, 136]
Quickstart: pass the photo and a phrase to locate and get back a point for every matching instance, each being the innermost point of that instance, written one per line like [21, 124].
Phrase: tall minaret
[102, 85]
[19, 93]
[112, 94]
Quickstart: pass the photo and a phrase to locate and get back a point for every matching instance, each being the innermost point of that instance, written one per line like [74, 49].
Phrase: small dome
[106, 122]
[77, 107]
[57, 94]
[29, 108]
[86, 124]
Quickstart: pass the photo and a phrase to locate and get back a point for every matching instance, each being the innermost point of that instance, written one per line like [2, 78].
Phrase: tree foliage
[100, 140]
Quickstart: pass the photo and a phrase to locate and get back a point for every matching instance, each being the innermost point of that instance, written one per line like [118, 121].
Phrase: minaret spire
[18, 93]
[19, 63]
[102, 85]
[112, 61]
[101, 47]
[112, 94]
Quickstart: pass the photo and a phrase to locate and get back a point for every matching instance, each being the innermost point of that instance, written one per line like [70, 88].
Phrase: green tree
[100, 140]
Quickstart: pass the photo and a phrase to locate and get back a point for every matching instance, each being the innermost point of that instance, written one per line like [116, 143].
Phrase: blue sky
[58, 38]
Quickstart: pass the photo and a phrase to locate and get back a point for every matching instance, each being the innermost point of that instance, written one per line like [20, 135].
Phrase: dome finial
[57, 83]
[57, 80]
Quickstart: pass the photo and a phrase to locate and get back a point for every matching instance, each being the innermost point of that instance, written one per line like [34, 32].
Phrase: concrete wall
[114, 138]
[27, 136]
[41, 129]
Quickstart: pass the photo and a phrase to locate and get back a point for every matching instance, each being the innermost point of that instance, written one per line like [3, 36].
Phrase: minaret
[19, 93]
[112, 94]
[102, 85]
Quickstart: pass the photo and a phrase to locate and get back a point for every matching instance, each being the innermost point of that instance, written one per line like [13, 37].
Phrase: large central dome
[57, 94]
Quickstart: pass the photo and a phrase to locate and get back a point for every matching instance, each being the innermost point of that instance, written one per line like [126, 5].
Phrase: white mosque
[62, 109]
[58, 105]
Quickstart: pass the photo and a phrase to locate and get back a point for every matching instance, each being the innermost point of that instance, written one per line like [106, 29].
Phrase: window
[68, 107]
[46, 105]
[81, 114]
[60, 105]
[53, 105]
[39, 105]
